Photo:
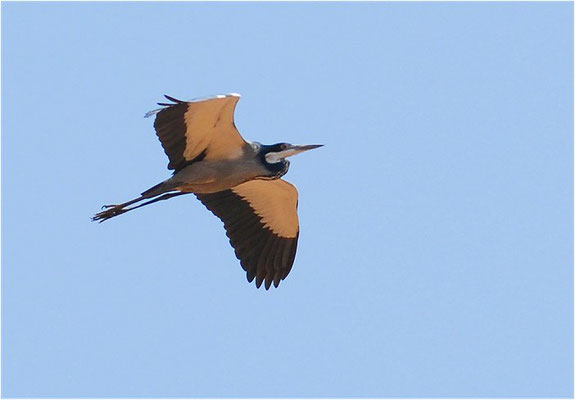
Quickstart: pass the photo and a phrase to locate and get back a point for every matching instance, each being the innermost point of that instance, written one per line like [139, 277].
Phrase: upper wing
[194, 130]
[260, 218]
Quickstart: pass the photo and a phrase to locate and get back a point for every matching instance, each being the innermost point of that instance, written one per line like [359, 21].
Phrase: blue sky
[435, 255]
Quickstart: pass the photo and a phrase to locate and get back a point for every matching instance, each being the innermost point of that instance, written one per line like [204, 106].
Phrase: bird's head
[274, 156]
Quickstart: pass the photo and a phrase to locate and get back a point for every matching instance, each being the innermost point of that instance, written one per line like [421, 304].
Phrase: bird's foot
[111, 211]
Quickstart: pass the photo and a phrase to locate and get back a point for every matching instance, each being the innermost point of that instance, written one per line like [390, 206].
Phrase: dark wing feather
[171, 130]
[265, 249]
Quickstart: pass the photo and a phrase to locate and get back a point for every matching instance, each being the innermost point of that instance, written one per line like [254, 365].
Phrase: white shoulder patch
[255, 145]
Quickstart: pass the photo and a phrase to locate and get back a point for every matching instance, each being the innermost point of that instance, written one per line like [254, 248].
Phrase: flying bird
[237, 180]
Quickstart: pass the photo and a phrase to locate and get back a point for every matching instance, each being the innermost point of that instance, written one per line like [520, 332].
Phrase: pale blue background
[435, 255]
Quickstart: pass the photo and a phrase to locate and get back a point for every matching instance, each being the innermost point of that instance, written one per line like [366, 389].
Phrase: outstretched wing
[260, 218]
[194, 130]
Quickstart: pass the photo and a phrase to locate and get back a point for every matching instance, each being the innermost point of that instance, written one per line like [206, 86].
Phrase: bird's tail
[154, 193]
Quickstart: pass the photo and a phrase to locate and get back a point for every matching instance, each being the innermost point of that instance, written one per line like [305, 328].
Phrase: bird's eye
[284, 146]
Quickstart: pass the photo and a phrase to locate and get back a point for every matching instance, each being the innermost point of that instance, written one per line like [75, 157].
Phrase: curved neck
[276, 170]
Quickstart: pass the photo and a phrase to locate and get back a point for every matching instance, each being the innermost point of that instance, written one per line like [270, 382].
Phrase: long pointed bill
[296, 149]
[292, 150]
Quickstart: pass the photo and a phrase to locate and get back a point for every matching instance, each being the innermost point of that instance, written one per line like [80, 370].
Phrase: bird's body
[209, 176]
[239, 181]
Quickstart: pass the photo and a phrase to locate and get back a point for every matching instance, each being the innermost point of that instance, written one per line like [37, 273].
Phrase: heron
[239, 181]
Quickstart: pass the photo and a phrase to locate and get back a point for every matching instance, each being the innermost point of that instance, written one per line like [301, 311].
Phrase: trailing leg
[115, 210]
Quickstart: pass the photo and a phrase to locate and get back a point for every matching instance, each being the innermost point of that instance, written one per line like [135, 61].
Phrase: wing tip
[173, 99]
[152, 112]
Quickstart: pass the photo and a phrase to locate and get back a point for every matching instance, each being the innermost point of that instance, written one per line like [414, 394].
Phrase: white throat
[278, 156]
[273, 158]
